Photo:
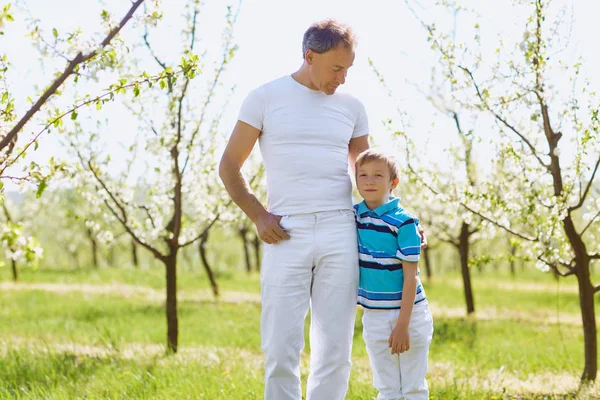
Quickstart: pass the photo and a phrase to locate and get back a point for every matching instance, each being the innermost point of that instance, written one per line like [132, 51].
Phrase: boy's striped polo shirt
[387, 236]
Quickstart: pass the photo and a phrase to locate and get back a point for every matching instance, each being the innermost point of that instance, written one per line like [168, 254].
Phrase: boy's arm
[409, 291]
[400, 339]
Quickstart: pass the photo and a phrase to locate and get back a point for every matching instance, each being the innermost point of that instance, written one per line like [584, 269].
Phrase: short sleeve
[361, 127]
[253, 108]
[409, 241]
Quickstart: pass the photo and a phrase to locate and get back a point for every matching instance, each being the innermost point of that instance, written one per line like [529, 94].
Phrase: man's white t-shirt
[304, 144]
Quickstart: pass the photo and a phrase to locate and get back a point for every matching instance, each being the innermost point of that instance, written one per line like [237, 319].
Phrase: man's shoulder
[277, 83]
[348, 98]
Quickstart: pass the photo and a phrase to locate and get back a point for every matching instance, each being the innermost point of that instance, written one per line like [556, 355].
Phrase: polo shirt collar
[392, 204]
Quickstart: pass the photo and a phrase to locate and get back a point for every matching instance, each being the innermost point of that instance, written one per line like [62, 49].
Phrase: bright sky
[269, 35]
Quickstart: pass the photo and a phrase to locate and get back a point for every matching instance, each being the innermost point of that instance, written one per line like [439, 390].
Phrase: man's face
[328, 70]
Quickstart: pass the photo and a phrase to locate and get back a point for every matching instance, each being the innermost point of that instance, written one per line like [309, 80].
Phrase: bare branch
[554, 267]
[75, 108]
[123, 214]
[597, 289]
[489, 219]
[145, 208]
[475, 230]
[17, 178]
[145, 37]
[449, 241]
[79, 59]
[587, 188]
[482, 216]
[590, 223]
[211, 92]
[503, 121]
[206, 229]
[595, 256]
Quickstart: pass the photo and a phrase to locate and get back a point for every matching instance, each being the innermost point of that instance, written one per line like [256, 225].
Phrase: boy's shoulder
[401, 215]
[395, 214]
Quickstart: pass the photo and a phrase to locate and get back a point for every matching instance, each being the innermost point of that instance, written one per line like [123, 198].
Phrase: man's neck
[302, 77]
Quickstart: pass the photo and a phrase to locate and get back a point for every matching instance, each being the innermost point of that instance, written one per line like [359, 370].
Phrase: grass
[71, 344]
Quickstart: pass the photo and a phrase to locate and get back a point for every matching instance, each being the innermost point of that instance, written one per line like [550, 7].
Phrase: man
[308, 132]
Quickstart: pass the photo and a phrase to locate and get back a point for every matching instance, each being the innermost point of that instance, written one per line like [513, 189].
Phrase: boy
[397, 323]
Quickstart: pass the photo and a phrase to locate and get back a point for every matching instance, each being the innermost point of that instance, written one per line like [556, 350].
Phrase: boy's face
[374, 182]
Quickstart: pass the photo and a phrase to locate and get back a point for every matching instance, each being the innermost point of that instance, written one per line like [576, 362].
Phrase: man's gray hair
[325, 35]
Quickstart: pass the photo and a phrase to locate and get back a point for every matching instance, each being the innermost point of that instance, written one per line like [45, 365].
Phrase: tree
[445, 220]
[97, 57]
[81, 60]
[541, 191]
[176, 199]
[17, 246]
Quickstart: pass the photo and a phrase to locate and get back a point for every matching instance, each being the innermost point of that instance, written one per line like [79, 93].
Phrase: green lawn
[65, 344]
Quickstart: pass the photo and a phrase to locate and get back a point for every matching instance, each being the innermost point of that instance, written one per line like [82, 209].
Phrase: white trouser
[399, 376]
[317, 266]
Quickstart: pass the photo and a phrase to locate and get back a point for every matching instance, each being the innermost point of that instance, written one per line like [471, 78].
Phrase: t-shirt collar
[392, 204]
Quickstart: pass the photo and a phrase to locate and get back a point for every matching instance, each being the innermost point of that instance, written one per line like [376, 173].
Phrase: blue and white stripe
[387, 236]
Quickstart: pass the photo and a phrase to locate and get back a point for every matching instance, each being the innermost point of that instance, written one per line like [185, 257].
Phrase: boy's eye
[378, 175]
[362, 175]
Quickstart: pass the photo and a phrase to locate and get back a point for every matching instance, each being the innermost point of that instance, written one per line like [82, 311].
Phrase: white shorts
[399, 376]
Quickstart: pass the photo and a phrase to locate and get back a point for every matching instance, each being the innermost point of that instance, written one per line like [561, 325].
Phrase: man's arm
[238, 150]
[355, 147]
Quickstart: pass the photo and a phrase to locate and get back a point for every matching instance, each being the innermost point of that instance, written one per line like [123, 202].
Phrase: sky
[269, 35]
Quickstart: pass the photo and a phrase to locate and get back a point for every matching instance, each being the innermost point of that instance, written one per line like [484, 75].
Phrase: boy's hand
[399, 340]
[423, 236]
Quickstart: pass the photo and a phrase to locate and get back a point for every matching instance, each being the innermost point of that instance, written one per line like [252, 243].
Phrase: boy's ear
[395, 183]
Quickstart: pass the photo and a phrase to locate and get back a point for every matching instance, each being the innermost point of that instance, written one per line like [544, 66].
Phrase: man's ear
[309, 56]
[395, 183]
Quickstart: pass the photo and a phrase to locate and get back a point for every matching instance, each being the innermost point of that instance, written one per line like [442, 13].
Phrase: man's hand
[269, 229]
[399, 340]
[423, 236]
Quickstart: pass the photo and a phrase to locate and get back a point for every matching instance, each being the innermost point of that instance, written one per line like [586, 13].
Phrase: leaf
[42, 186]
[55, 32]
[74, 115]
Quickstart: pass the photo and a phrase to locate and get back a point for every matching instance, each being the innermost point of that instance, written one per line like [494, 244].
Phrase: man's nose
[341, 78]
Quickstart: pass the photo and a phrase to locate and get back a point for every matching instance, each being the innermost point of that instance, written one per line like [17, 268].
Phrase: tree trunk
[111, 256]
[94, 247]
[257, 258]
[427, 259]
[206, 265]
[513, 261]
[586, 300]
[15, 272]
[134, 254]
[243, 232]
[172, 320]
[463, 249]
[588, 317]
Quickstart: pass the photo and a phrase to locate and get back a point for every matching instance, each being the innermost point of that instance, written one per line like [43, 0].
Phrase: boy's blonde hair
[378, 155]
